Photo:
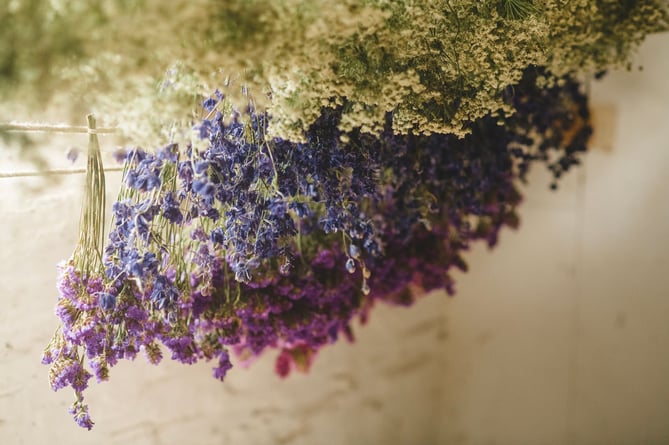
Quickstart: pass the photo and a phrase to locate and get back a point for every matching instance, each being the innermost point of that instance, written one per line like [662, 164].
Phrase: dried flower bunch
[255, 243]
[369, 145]
[436, 65]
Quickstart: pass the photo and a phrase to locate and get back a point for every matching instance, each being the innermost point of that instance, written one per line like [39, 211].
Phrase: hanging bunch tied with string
[278, 219]
[79, 281]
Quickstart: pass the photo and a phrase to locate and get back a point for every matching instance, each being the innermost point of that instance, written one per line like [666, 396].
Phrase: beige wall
[558, 336]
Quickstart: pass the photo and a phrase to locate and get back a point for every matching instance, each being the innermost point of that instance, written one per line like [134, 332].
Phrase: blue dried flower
[171, 209]
[164, 293]
[106, 301]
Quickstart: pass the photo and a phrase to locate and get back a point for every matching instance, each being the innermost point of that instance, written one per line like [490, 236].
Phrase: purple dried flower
[171, 210]
[120, 155]
[217, 236]
[185, 172]
[106, 301]
[141, 268]
[68, 371]
[209, 104]
[169, 153]
[204, 188]
[183, 348]
[79, 411]
[164, 292]
[224, 365]
[100, 369]
[72, 154]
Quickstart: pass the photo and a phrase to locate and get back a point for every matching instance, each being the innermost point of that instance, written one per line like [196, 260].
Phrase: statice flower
[79, 412]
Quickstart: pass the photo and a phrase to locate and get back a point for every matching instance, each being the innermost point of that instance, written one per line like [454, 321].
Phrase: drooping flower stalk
[80, 289]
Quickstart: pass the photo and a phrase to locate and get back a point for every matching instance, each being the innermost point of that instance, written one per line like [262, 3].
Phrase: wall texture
[557, 336]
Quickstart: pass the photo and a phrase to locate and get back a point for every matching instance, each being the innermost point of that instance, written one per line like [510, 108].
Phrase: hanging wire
[55, 172]
[31, 127]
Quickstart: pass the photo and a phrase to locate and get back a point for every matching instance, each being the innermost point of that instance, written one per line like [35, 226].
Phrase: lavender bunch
[78, 284]
[257, 243]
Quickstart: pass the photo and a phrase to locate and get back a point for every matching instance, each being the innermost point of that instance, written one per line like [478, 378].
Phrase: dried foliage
[437, 66]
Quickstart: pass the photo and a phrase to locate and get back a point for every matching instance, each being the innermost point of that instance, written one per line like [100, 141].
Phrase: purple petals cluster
[257, 244]
[80, 414]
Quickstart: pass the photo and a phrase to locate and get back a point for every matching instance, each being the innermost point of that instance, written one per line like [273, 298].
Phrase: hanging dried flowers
[370, 145]
[246, 243]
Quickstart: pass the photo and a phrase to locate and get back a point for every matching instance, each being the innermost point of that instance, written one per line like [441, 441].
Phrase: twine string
[32, 127]
[54, 172]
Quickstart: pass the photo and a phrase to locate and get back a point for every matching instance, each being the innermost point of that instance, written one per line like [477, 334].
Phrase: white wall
[561, 334]
[557, 336]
